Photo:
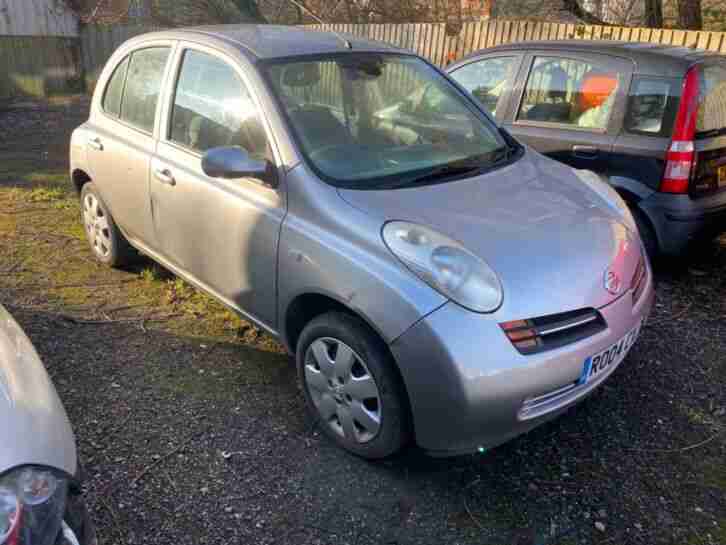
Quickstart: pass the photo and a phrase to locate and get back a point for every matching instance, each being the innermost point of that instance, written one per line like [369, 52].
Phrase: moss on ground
[45, 248]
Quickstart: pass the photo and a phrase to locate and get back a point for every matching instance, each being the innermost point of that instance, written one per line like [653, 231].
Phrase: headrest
[595, 88]
[558, 80]
[303, 74]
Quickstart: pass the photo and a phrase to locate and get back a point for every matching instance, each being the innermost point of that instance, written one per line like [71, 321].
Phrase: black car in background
[649, 117]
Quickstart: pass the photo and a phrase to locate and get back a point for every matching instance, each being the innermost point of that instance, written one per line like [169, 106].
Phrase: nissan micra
[436, 280]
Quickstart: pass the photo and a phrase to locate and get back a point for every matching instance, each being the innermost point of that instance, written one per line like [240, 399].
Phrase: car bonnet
[34, 427]
[538, 223]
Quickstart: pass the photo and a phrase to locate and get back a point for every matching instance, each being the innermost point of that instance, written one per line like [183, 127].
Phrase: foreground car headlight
[32, 503]
[445, 265]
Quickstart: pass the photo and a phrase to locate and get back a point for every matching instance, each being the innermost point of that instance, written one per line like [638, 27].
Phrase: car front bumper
[470, 389]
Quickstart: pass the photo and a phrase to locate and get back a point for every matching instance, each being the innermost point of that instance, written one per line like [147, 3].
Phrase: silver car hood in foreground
[34, 427]
[538, 223]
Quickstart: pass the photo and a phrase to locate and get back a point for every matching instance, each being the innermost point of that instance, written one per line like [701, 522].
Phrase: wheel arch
[80, 178]
[308, 305]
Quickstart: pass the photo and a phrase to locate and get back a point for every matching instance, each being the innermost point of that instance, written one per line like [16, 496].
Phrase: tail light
[681, 155]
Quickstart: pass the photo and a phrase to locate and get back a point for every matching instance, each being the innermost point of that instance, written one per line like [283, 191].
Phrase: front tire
[647, 235]
[107, 242]
[351, 386]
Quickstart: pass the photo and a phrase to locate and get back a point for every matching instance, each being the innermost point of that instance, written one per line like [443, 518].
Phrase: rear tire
[108, 244]
[351, 386]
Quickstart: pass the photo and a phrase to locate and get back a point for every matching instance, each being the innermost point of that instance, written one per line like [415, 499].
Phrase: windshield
[372, 121]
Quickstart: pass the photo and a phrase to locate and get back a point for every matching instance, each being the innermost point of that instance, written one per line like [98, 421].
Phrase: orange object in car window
[595, 88]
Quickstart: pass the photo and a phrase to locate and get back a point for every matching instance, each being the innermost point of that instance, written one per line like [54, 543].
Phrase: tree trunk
[689, 15]
[654, 13]
[249, 9]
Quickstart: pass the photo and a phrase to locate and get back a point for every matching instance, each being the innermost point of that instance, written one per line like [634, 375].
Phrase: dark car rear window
[711, 118]
[652, 106]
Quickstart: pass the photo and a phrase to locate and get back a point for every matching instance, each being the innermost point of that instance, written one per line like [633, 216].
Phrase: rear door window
[652, 105]
[569, 92]
[143, 85]
[488, 80]
[711, 118]
[115, 89]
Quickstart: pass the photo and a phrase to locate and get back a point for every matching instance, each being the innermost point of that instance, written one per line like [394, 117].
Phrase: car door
[222, 234]
[121, 137]
[570, 106]
[490, 80]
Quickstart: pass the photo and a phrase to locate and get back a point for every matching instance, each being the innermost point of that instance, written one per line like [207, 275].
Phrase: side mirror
[230, 162]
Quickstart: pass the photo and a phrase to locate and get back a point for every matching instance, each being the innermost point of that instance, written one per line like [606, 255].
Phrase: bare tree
[653, 13]
[175, 13]
[689, 14]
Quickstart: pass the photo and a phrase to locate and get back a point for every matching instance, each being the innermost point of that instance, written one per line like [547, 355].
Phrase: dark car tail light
[681, 156]
[553, 331]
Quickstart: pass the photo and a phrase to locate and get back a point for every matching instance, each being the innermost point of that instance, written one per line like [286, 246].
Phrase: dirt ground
[193, 430]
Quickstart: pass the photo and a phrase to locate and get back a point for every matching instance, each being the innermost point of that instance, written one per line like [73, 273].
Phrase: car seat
[554, 108]
[595, 98]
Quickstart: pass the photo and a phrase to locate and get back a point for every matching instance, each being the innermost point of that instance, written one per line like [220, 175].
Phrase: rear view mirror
[231, 162]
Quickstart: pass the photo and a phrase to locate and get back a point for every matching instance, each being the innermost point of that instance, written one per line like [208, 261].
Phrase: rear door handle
[96, 143]
[165, 177]
[585, 152]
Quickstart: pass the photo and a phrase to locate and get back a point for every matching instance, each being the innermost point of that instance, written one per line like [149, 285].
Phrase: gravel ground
[189, 441]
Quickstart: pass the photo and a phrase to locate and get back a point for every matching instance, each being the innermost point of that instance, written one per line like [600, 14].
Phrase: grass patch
[41, 229]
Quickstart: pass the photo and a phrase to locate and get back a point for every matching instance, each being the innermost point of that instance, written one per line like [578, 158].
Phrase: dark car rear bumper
[678, 219]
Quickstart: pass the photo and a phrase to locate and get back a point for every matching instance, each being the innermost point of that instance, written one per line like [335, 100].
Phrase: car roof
[648, 58]
[273, 41]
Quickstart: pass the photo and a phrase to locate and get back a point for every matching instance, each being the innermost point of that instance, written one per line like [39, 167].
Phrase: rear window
[652, 105]
[711, 118]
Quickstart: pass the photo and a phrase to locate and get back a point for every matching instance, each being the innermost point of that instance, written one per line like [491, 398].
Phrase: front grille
[638, 282]
[543, 333]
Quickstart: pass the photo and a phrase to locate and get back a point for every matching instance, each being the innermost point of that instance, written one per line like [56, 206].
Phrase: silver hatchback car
[435, 279]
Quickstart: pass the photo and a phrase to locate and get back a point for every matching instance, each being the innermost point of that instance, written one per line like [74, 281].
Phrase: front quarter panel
[34, 427]
[327, 247]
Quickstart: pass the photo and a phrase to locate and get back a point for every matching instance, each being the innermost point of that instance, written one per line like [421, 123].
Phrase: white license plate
[600, 363]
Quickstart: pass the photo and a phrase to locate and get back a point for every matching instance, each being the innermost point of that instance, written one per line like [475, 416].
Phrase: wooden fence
[431, 41]
[33, 65]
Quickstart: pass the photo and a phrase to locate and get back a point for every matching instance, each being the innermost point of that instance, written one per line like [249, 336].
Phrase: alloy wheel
[96, 224]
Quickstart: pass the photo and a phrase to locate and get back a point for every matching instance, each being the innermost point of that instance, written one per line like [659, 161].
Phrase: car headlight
[609, 195]
[32, 503]
[445, 265]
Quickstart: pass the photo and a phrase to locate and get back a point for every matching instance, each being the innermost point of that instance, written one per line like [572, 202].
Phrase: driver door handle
[585, 152]
[96, 144]
[165, 177]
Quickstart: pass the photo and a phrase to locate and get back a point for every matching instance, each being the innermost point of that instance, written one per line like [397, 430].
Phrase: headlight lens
[32, 503]
[445, 265]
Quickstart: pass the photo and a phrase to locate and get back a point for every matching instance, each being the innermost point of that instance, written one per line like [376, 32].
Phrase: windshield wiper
[465, 167]
[502, 154]
[438, 173]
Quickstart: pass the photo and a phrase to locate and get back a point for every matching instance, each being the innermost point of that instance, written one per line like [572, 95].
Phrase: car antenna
[346, 42]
